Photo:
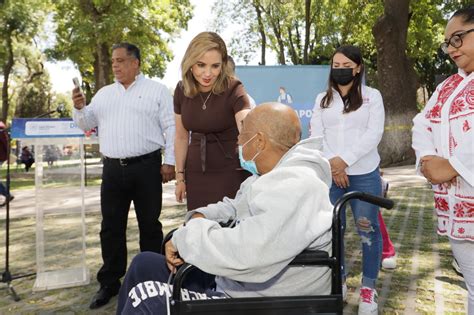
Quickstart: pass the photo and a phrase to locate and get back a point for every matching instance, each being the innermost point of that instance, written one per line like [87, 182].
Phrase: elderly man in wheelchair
[278, 213]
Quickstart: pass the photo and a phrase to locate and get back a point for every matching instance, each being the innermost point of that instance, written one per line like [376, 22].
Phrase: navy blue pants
[145, 289]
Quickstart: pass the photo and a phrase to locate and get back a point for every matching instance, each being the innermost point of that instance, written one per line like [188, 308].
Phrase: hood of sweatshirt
[307, 152]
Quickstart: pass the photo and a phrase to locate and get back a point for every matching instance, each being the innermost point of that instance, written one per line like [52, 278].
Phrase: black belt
[134, 159]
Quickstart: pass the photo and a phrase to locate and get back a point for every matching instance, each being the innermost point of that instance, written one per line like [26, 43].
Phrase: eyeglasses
[455, 40]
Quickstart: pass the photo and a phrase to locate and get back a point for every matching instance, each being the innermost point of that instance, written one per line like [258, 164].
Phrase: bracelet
[180, 172]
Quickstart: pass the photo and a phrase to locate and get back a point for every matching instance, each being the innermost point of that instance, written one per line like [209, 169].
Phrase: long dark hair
[354, 98]
[467, 14]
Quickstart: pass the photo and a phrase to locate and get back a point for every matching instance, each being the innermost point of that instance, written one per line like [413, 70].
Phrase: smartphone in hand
[76, 83]
[78, 97]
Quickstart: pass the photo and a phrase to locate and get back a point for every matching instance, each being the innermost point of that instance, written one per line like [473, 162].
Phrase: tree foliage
[299, 32]
[86, 30]
[308, 31]
[19, 22]
[32, 95]
[399, 40]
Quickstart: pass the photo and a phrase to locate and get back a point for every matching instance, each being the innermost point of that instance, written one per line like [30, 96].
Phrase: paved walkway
[59, 200]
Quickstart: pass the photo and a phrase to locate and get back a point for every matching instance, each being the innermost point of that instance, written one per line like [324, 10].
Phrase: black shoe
[103, 297]
[9, 199]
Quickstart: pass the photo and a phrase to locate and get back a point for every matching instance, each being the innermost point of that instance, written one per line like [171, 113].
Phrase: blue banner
[24, 128]
[296, 86]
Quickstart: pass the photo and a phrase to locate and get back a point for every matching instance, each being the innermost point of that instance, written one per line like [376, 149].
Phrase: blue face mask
[248, 165]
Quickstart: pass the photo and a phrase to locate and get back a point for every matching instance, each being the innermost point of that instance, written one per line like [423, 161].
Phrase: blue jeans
[367, 223]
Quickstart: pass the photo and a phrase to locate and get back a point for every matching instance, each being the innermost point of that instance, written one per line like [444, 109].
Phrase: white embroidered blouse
[445, 128]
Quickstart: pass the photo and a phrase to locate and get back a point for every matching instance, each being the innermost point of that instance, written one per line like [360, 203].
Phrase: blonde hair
[201, 44]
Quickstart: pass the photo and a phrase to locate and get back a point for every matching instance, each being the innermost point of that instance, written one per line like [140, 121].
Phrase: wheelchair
[281, 305]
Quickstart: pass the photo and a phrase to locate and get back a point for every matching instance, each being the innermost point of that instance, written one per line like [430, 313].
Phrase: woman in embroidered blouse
[209, 105]
[443, 140]
[350, 118]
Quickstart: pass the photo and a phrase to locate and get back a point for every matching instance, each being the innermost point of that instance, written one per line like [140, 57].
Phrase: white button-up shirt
[133, 121]
[352, 136]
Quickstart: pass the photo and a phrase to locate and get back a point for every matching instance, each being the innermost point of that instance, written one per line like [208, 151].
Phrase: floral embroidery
[470, 96]
[465, 126]
[441, 204]
[463, 209]
[448, 87]
[435, 112]
[445, 91]
[457, 106]
[458, 210]
[455, 209]
[470, 208]
[452, 143]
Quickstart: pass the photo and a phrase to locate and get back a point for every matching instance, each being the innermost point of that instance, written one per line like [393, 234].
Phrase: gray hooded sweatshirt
[277, 215]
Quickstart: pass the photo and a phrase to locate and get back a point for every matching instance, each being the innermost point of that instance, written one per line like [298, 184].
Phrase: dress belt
[203, 138]
[134, 159]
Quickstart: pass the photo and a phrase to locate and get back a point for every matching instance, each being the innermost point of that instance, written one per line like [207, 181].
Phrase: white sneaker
[368, 301]
[389, 262]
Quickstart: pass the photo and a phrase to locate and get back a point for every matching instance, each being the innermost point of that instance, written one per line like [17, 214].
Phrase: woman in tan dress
[209, 105]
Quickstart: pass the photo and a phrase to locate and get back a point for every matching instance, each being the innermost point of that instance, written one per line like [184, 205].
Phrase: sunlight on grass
[413, 281]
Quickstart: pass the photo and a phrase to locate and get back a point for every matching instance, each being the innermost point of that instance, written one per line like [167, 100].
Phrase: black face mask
[342, 76]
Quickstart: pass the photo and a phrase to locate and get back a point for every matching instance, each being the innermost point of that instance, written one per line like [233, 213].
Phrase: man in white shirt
[136, 121]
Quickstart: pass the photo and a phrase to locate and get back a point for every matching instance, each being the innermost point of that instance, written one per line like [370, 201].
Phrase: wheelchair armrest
[166, 239]
[178, 280]
[307, 257]
[311, 257]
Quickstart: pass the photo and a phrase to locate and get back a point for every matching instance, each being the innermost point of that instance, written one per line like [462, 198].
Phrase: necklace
[205, 101]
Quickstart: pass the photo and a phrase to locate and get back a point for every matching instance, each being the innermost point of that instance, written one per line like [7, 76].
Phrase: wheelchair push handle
[376, 200]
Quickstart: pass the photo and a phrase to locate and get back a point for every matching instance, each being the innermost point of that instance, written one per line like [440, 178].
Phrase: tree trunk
[274, 21]
[261, 30]
[397, 81]
[281, 45]
[102, 62]
[293, 53]
[102, 66]
[7, 68]
[307, 30]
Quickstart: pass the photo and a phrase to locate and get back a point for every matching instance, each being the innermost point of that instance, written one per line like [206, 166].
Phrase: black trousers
[139, 182]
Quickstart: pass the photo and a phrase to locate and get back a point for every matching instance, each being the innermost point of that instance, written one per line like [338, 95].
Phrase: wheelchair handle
[373, 199]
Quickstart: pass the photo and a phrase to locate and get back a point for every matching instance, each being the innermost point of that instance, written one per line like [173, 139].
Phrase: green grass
[19, 179]
[413, 211]
[423, 273]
